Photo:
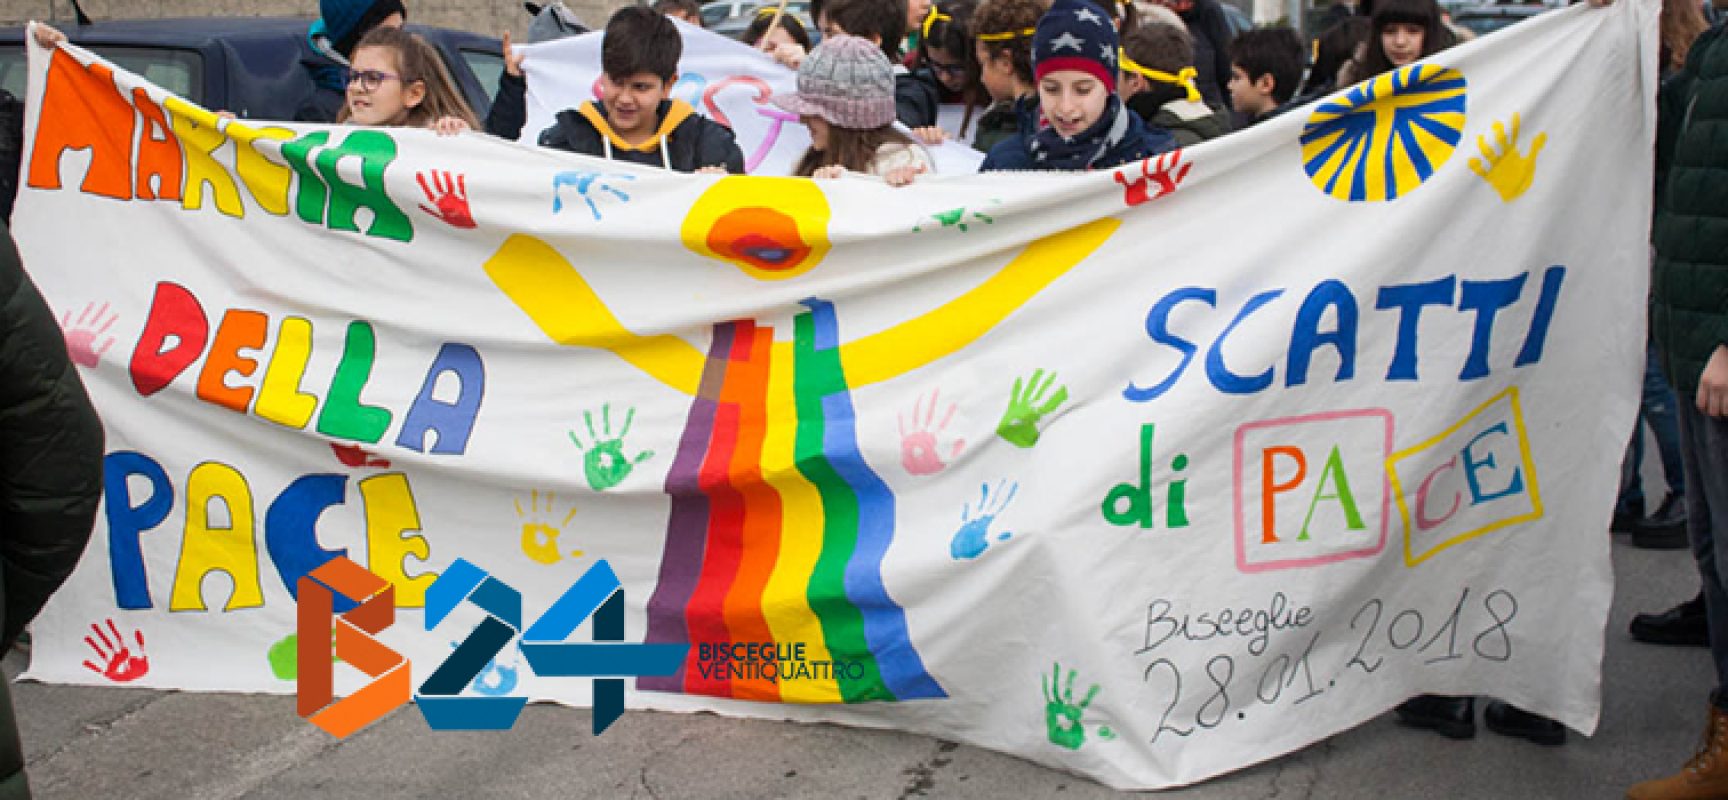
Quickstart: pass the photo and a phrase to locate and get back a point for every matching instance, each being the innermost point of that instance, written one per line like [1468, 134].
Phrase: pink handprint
[919, 452]
[1167, 177]
[81, 336]
[450, 195]
[115, 655]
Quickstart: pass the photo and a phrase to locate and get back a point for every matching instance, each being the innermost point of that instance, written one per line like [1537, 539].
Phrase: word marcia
[144, 150]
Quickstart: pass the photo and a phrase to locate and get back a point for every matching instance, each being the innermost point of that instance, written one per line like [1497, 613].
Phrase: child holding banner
[1076, 122]
[846, 98]
[636, 119]
[398, 80]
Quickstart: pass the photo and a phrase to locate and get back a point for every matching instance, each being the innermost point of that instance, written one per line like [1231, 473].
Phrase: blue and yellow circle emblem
[1386, 136]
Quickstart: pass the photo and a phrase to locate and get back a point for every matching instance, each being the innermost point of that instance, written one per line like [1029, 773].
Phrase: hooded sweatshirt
[683, 140]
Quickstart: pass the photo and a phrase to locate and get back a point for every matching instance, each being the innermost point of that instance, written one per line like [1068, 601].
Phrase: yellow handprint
[539, 533]
[1508, 171]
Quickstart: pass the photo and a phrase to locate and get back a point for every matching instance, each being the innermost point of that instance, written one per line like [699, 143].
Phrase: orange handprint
[118, 663]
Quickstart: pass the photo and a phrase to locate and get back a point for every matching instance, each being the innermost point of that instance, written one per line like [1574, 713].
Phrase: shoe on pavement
[1509, 720]
[1665, 529]
[1452, 717]
[1626, 515]
[1705, 776]
[1685, 625]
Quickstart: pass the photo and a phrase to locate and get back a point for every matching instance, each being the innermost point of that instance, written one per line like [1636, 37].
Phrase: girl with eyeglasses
[946, 57]
[397, 79]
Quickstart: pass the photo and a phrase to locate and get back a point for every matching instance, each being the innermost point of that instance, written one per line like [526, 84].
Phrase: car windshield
[713, 13]
[1485, 25]
[178, 71]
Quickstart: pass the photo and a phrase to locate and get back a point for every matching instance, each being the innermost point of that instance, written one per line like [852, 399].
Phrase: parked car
[732, 17]
[1483, 20]
[248, 65]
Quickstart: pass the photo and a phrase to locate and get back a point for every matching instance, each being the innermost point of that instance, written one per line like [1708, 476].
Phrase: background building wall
[491, 17]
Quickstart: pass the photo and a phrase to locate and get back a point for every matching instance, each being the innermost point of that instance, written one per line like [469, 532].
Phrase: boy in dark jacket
[1075, 121]
[1265, 68]
[1159, 84]
[636, 120]
[916, 97]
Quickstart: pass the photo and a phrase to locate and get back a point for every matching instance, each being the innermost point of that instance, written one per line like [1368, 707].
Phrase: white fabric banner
[1148, 474]
[720, 78]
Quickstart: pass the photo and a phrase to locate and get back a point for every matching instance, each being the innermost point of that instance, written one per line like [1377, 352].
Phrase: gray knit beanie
[846, 81]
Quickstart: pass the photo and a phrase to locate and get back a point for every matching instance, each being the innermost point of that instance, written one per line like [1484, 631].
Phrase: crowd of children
[1037, 84]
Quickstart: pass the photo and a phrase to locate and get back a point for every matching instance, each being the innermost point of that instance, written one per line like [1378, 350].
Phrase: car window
[487, 68]
[715, 12]
[14, 77]
[1485, 25]
[178, 71]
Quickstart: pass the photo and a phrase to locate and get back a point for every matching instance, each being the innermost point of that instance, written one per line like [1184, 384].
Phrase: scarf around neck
[1050, 151]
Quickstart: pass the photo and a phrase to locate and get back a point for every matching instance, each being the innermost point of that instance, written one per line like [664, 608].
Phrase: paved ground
[99, 743]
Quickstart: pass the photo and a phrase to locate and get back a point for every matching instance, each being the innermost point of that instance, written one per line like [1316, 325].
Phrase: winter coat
[916, 98]
[1014, 153]
[1190, 122]
[509, 108]
[1689, 283]
[1210, 30]
[684, 141]
[50, 474]
[997, 123]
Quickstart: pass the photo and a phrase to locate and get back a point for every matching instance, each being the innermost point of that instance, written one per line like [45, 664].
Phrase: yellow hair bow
[1184, 78]
[931, 19]
[1007, 35]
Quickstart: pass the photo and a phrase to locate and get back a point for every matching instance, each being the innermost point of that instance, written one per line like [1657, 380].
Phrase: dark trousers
[1704, 456]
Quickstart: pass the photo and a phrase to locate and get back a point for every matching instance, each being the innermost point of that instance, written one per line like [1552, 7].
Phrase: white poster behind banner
[1147, 474]
[720, 78]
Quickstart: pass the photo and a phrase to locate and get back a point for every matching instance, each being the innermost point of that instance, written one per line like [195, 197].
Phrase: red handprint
[115, 655]
[1138, 190]
[81, 336]
[353, 456]
[450, 194]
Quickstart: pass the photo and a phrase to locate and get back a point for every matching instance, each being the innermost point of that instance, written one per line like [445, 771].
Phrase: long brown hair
[419, 62]
[1680, 23]
[852, 148]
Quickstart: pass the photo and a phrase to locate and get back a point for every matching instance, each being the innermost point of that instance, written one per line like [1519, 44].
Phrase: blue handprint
[496, 680]
[587, 184]
[974, 535]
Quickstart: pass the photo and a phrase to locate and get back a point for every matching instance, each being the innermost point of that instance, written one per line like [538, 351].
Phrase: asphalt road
[100, 743]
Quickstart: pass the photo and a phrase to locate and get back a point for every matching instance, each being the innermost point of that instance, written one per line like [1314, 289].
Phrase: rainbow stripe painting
[778, 527]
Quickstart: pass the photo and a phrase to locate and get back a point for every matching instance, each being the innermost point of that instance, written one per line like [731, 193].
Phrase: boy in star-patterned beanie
[1077, 35]
[1076, 122]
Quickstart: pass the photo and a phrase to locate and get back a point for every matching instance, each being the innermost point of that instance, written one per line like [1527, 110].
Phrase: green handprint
[604, 461]
[1062, 715]
[1019, 423]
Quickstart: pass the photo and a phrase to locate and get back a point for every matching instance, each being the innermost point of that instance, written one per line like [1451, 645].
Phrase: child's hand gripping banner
[1149, 474]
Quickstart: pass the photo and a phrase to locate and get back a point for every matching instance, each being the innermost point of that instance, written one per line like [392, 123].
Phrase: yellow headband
[1006, 35]
[931, 19]
[1185, 78]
